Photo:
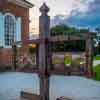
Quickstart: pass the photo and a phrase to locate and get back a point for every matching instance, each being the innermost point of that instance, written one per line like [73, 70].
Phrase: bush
[97, 72]
[24, 61]
[67, 60]
[97, 57]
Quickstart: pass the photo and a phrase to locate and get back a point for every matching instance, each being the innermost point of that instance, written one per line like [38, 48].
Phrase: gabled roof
[22, 3]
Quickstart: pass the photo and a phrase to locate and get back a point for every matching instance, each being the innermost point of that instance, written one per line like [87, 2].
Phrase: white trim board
[22, 3]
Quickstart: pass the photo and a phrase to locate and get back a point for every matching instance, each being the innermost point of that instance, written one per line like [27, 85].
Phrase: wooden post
[14, 58]
[44, 23]
[37, 56]
[1, 48]
[89, 55]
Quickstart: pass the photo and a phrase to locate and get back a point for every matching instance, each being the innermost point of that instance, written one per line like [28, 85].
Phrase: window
[10, 30]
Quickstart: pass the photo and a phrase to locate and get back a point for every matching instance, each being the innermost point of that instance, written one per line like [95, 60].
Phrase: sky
[78, 13]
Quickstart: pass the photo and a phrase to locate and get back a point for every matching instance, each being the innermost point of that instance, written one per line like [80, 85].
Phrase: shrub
[97, 72]
[67, 61]
[24, 61]
[97, 57]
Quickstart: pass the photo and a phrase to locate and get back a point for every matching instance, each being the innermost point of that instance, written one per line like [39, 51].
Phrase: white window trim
[2, 29]
[22, 3]
[6, 14]
[14, 18]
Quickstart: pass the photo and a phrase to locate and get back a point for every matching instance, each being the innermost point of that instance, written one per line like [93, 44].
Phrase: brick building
[14, 26]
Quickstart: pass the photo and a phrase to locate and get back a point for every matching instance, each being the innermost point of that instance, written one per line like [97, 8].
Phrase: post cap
[44, 8]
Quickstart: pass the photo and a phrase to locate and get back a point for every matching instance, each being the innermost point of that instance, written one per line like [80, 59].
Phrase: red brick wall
[6, 58]
[19, 11]
[16, 10]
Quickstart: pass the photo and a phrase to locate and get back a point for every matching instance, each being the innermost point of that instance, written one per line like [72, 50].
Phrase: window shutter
[18, 29]
[2, 43]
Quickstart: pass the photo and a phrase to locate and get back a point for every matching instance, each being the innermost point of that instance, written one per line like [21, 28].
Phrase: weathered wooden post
[89, 55]
[44, 29]
[1, 63]
[37, 55]
[14, 48]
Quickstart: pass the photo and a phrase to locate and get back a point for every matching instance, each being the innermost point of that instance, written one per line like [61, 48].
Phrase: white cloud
[59, 7]
[62, 7]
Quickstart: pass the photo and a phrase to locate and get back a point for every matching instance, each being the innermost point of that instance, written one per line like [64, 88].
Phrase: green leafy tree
[97, 41]
[67, 45]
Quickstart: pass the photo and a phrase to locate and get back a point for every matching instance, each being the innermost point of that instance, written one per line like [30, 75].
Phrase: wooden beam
[37, 41]
[59, 38]
[65, 38]
[29, 96]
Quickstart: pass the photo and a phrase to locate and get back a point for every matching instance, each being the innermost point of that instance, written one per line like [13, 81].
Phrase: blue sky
[81, 13]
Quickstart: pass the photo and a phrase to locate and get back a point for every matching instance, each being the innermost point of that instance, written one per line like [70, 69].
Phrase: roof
[22, 3]
[28, 2]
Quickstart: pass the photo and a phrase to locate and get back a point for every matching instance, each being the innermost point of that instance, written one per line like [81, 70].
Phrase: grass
[97, 57]
[97, 72]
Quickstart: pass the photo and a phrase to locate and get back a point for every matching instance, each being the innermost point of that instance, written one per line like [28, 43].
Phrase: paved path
[79, 88]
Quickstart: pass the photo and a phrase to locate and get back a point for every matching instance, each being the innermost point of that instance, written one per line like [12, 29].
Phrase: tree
[83, 30]
[97, 40]
[68, 45]
[63, 30]
[98, 30]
